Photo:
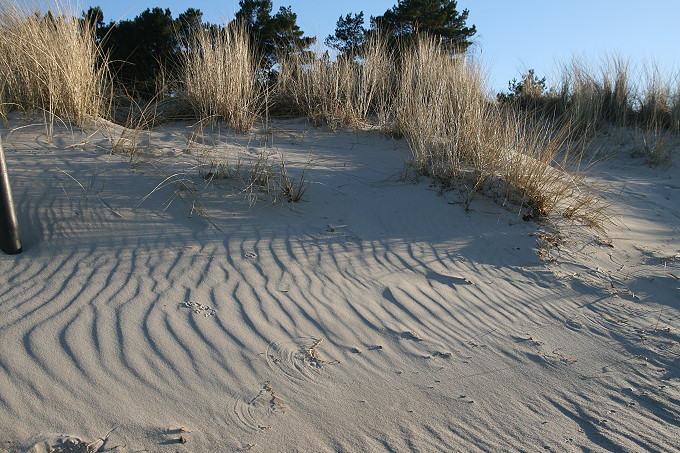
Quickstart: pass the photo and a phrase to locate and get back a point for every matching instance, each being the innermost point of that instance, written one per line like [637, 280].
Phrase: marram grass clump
[219, 77]
[456, 133]
[50, 62]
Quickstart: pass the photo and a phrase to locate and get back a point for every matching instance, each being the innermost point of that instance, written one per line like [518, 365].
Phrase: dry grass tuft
[291, 188]
[343, 92]
[589, 97]
[456, 133]
[656, 148]
[659, 107]
[50, 62]
[439, 108]
[220, 79]
[257, 177]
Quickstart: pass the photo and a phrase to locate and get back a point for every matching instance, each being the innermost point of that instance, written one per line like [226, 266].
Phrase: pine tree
[439, 18]
[140, 49]
[188, 23]
[350, 34]
[255, 14]
[276, 35]
[146, 47]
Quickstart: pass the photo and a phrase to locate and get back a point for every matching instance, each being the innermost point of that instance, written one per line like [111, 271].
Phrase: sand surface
[377, 315]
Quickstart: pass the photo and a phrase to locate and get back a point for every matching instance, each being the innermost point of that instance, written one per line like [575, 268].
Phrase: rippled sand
[155, 309]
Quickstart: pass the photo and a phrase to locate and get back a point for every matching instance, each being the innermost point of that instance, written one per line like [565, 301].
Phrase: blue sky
[512, 35]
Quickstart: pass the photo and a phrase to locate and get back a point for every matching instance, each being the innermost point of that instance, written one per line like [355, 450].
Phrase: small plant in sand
[257, 175]
[292, 189]
[252, 175]
[656, 148]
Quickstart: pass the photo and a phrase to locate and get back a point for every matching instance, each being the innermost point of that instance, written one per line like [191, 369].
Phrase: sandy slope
[376, 315]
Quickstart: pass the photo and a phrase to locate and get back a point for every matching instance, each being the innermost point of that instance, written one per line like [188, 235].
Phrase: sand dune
[375, 315]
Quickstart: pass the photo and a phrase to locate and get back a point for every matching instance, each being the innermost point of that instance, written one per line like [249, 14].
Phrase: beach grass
[438, 101]
[219, 77]
[50, 63]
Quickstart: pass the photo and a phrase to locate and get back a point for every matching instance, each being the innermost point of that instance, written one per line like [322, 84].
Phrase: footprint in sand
[429, 350]
[72, 444]
[301, 359]
[254, 411]
[574, 324]
[199, 308]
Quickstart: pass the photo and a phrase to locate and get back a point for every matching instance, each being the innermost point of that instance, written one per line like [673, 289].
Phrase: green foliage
[438, 18]
[531, 95]
[529, 87]
[277, 35]
[255, 14]
[350, 34]
[142, 49]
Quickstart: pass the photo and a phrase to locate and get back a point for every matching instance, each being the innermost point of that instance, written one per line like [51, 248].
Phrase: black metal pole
[9, 226]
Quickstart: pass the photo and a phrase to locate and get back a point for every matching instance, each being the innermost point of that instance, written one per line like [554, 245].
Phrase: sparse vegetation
[591, 97]
[519, 147]
[656, 148]
[292, 189]
[258, 176]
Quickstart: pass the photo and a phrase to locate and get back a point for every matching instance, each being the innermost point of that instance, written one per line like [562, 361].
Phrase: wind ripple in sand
[455, 336]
